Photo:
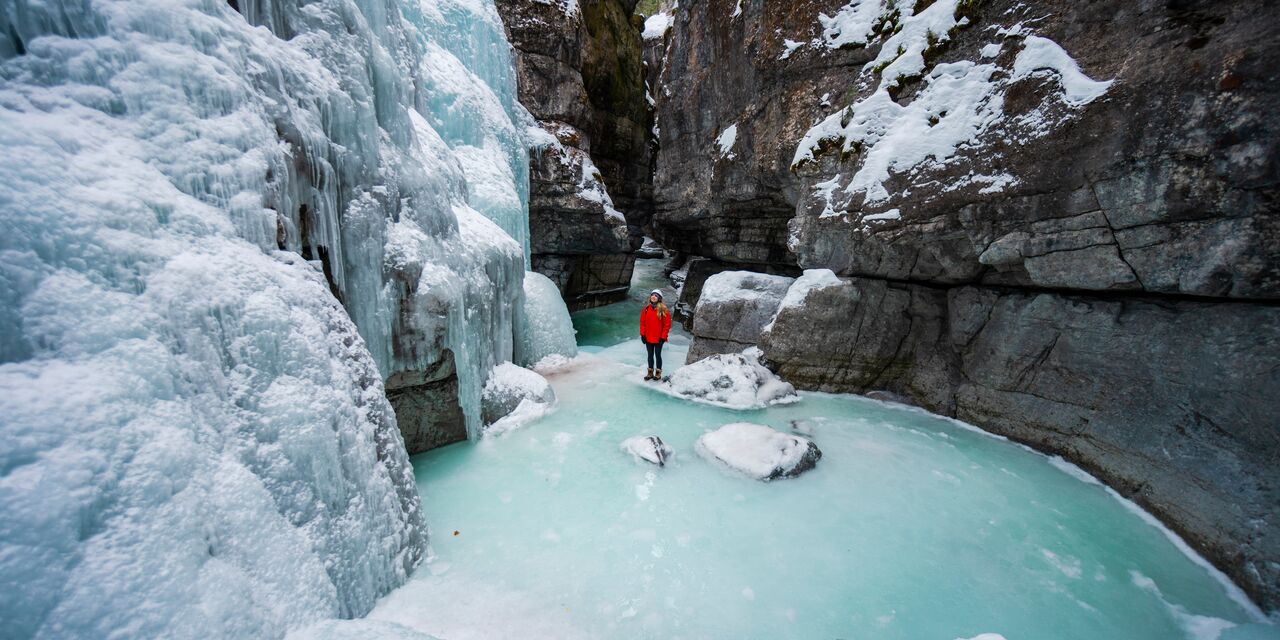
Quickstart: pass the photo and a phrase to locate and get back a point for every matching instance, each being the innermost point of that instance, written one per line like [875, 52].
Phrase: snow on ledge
[726, 140]
[656, 25]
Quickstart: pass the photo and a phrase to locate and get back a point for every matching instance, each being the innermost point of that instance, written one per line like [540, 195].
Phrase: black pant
[655, 353]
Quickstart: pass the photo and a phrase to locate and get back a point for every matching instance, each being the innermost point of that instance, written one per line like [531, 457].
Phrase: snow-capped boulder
[648, 448]
[509, 387]
[733, 309]
[759, 451]
[731, 380]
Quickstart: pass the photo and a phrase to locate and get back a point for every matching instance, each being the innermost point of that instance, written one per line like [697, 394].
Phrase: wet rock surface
[581, 76]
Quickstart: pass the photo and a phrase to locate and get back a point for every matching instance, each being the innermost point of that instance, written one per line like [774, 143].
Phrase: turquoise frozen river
[912, 526]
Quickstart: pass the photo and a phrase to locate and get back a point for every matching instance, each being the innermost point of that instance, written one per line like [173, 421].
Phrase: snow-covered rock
[648, 448]
[731, 380]
[759, 451]
[224, 229]
[511, 389]
[733, 309]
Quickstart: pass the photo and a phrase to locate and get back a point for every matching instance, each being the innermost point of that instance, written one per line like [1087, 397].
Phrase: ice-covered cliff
[226, 223]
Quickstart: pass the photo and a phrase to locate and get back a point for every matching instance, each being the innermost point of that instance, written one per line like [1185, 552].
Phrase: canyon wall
[581, 76]
[1055, 220]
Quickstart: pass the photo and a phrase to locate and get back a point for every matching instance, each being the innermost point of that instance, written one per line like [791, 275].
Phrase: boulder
[648, 448]
[758, 451]
[510, 387]
[733, 309]
[731, 380]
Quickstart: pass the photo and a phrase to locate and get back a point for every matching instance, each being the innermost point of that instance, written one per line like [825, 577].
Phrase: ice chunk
[733, 380]
[543, 326]
[759, 451]
[648, 448]
[509, 386]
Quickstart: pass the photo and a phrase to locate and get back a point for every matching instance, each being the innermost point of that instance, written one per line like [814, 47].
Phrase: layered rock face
[1054, 220]
[581, 76]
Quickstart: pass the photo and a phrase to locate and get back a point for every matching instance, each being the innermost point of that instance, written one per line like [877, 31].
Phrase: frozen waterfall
[226, 224]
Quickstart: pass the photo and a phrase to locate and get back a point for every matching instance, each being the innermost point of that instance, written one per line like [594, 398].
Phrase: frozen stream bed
[911, 526]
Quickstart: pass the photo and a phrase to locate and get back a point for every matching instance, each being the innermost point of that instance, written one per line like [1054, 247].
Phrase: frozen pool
[911, 526]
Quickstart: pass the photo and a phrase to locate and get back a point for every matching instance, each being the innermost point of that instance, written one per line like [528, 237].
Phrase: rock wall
[1017, 248]
[581, 75]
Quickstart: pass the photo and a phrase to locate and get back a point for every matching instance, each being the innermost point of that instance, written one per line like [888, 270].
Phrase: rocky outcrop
[581, 76]
[1054, 220]
[426, 406]
[739, 305]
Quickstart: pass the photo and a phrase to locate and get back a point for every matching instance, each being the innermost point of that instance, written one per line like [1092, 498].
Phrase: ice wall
[194, 438]
[543, 325]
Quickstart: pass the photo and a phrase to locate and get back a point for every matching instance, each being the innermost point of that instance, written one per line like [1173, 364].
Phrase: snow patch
[656, 25]
[789, 47]
[1044, 55]
[725, 141]
[811, 280]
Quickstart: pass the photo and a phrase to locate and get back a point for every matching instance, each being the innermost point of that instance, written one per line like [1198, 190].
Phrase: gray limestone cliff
[1055, 220]
[580, 74]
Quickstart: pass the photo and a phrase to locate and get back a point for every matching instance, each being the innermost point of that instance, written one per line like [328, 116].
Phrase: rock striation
[580, 74]
[1005, 241]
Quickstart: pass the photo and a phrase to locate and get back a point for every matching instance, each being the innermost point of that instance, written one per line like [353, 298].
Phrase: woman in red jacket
[655, 325]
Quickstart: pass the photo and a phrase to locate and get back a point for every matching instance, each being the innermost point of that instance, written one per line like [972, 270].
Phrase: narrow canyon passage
[911, 526]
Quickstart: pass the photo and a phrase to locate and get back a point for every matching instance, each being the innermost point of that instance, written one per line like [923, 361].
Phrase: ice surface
[562, 535]
[731, 380]
[195, 437]
[543, 327]
[758, 450]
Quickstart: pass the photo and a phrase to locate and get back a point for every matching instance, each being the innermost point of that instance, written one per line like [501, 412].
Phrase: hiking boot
[649, 375]
[657, 374]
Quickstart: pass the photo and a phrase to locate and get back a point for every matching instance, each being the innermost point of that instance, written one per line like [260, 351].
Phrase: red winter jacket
[652, 327]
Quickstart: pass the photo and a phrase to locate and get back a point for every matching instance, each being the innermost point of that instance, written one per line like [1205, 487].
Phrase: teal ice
[911, 526]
